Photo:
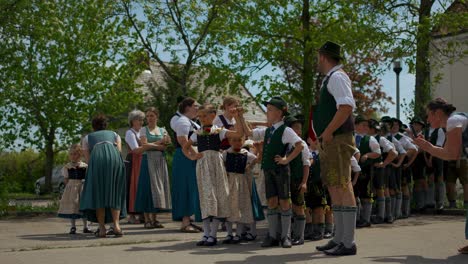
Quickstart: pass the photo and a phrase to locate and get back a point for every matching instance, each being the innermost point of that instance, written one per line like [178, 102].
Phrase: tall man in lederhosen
[333, 123]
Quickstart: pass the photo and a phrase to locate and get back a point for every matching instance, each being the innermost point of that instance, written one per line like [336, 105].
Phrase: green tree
[192, 34]
[285, 35]
[62, 62]
[412, 24]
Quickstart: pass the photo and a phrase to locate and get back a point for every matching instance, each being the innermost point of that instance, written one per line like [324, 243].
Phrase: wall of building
[452, 69]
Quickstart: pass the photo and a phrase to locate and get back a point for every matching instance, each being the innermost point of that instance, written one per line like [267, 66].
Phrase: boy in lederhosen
[299, 170]
[382, 175]
[435, 169]
[394, 183]
[369, 150]
[411, 154]
[274, 164]
[418, 169]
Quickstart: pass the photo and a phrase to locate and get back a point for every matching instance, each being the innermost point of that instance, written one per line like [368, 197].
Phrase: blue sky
[407, 81]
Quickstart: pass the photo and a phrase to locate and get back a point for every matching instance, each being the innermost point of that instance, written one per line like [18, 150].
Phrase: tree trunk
[308, 71]
[422, 91]
[49, 159]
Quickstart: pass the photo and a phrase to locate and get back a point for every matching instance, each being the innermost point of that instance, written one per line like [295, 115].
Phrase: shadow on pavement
[412, 259]
[58, 237]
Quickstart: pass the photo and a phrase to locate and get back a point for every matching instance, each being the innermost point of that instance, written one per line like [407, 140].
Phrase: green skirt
[105, 183]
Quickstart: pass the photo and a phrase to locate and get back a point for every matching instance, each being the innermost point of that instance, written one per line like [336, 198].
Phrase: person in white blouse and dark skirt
[442, 114]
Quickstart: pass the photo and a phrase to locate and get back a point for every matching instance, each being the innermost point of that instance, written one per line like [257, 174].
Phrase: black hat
[418, 120]
[290, 120]
[360, 119]
[277, 102]
[374, 124]
[386, 119]
[394, 119]
[331, 49]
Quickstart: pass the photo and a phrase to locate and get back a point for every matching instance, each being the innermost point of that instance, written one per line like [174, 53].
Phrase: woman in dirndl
[103, 197]
[153, 194]
[133, 161]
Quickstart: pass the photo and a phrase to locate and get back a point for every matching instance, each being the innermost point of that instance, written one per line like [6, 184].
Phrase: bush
[19, 170]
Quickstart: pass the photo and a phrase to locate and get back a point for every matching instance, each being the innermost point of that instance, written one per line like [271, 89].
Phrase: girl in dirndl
[245, 204]
[74, 173]
[212, 179]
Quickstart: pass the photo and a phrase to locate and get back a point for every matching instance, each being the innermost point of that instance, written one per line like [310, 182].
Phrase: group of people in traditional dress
[350, 171]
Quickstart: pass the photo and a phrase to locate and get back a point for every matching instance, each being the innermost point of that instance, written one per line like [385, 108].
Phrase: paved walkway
[420, 239]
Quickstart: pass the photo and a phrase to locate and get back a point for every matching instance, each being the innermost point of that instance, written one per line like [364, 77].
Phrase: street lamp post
[397, 69]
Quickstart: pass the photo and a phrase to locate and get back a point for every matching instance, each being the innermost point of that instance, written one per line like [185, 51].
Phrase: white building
[214, 95]
[449, 68]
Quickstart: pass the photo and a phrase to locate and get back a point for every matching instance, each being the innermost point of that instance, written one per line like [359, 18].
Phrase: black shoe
[202, 242]
[377, 220]
[341, 250]
[316, 236]
[87, 231]
[430, 206]
[297, 242]
[439, 209]
[328, 235]
[236, 239]
[72, 231]
[247, 237]
[228, 239]
[363, 224]
[331, 244]
[211, 243]
[270, 242]
[286, 242]
[110, 231]
[389, 220]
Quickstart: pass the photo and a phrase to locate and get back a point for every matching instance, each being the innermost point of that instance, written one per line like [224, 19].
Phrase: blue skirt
[257, 204]
[144, 198]
[185, 200]
[105, 184]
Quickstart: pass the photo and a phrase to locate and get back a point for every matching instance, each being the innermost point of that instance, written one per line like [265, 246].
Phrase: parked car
[58, 183]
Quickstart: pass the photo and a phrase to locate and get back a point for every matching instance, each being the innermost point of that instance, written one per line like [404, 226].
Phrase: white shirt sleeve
[250, 158]
[356, 151]
[407, 144]
[457, 120]
[290, 137]
[386, 145]
[258, 134]
[339, 85]
[355, 165]
[222, 134]
[193, 137]
[217, 122]
[440, 138]
[117, 138]
[65, 172]
[374, 145]
[305, 154]
[398, 146]
[182, 127]
[143, 132]
[84, 143]
[131, 139]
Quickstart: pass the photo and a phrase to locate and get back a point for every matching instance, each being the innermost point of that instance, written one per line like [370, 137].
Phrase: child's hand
[281, 160]
[302, 188]
[379, 165]
[197, 156]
